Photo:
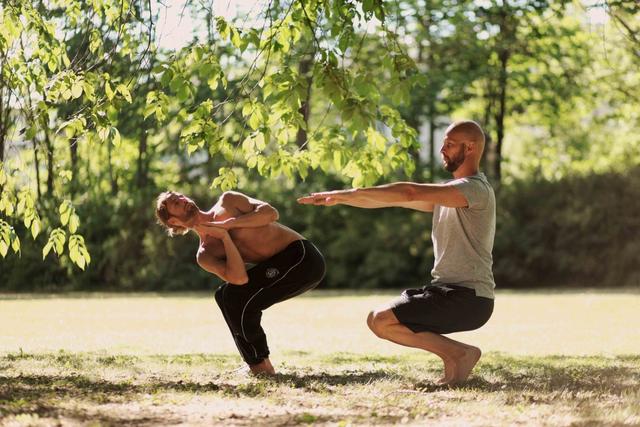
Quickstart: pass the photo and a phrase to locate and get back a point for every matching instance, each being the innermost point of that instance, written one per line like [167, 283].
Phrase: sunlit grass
[342, 388]
[572, 323]
[550, 359]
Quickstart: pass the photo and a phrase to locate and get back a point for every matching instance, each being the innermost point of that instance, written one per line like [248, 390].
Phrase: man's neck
[204, 217]
[201, 217]
[465, 170]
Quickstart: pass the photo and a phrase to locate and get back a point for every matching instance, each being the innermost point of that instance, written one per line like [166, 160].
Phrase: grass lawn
[551, 358]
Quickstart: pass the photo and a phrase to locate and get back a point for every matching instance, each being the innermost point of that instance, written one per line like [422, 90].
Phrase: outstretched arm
[230, 269]
[409, 195]
[250, 212]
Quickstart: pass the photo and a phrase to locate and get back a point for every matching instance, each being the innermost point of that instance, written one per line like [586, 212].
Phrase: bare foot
[262, 368]
[449, 373]
[464, 365]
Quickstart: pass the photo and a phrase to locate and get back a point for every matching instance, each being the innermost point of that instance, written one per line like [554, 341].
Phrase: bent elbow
[270, 211]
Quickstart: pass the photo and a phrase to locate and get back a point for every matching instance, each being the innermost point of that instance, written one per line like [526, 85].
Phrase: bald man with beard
[460, 296]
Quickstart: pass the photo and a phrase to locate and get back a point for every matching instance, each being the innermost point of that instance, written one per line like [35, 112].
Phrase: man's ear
[470, 146]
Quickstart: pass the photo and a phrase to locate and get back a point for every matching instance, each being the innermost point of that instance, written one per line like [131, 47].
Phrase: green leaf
[247, 109]
[149, 109]
[80, 262]
[4, 248]
[235, 38]
[73, 252]
[108, 91]
[252, 161]
[76, 90]
[85, 254]
[124, 91]
[15, 244]
[47, 248]
[103, 133]
[74, 222]
[260, 141]
[192, 128]
[35, 227]
[65, 212]
[59, 240]
[116, 137]
[223, 27]
[212, 82]
[255, 119]
[226, 179]
[192, 148]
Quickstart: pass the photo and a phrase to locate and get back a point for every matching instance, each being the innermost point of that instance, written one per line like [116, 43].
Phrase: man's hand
[212, 230]
[326, 198]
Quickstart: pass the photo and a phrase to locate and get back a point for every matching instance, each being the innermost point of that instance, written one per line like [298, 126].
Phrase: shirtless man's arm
[247, 212]
[230, 269]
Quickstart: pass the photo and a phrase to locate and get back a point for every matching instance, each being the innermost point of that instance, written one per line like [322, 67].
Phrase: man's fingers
[314, 199]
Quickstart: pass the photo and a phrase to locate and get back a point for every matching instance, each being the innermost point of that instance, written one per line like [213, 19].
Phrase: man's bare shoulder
[234, 199]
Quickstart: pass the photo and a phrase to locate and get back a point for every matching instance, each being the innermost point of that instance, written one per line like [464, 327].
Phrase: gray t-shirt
[463, 238]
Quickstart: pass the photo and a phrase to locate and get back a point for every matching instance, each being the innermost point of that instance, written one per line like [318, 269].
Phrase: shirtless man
[239, 229]
[460, 296]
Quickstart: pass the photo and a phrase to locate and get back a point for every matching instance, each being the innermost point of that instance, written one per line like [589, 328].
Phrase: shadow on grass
[45, 396]
[523, 380]
[319, 382]
[552, 375]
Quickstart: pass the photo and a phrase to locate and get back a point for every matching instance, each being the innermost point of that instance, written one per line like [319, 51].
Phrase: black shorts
[296, 269]
[442, 309]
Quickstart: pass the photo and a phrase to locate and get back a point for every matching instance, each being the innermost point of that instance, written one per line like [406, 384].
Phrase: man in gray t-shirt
[463, 237]
[460, 296]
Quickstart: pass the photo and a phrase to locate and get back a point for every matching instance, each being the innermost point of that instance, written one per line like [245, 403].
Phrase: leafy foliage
[95, 120]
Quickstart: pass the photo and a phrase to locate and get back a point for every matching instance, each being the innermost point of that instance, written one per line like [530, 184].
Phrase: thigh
[442, 309]
[294, 271]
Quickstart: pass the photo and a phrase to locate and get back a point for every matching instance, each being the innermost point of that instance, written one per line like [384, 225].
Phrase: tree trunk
[500, 114]
[141, 174]
[36, 162]
[4, 112]
[73, 154]
[488, 141]
[49, 147]
[304, 68]
[4, 122]
[112, 179]
[432, 146]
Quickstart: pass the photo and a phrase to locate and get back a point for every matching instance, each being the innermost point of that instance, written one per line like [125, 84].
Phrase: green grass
[567, 358]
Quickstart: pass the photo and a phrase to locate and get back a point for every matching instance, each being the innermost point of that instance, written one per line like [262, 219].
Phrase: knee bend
[370, 320]
[376, 323]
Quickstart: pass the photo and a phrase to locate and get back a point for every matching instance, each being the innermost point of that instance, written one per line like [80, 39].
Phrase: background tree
[304, 96]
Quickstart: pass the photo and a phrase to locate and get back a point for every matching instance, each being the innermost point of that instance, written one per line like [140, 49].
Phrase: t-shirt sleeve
[474, 190]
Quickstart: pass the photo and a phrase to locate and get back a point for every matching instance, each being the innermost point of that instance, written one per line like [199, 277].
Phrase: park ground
[550, 358]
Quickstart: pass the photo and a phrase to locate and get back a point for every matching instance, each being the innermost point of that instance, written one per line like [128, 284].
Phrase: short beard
[191, 214]
[454, 163]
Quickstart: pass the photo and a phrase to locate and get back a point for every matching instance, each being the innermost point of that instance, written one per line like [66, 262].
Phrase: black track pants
[296, 269]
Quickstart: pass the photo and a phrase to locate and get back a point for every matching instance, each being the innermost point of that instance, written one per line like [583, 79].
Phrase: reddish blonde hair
[163, 215]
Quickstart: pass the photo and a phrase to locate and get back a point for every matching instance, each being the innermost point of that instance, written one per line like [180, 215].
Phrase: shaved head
[467, 130]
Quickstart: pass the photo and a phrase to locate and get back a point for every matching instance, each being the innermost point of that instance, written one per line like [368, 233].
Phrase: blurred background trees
[97, 118]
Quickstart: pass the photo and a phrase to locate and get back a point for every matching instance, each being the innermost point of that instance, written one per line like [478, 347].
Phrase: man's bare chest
[249, 242]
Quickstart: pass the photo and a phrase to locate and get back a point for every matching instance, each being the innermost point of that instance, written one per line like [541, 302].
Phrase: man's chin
[449, 167]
